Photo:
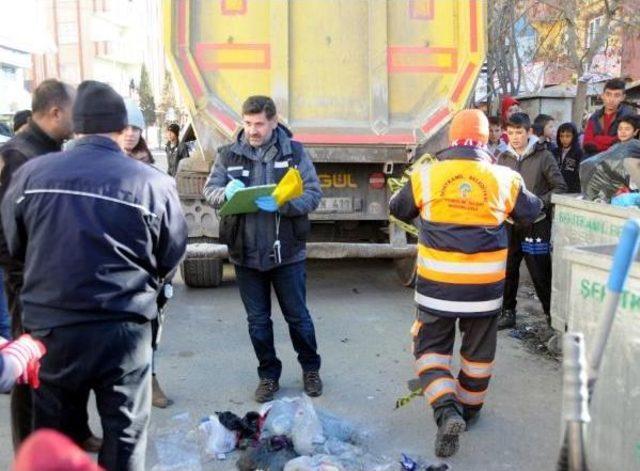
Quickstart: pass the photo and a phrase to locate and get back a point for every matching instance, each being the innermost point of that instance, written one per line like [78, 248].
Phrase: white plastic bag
[279, 417]
[216, 438]
[307, 429]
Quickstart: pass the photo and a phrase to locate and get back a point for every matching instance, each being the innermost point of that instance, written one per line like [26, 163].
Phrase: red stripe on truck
[308, 138]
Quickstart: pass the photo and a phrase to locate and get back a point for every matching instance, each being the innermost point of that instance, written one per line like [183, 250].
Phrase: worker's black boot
[470, 417]
[450, 426]
[507, 319]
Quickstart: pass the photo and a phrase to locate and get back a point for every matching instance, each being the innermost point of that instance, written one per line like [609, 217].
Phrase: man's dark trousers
[21, 397]
[289, 284]
[112, 358]
[533, 243]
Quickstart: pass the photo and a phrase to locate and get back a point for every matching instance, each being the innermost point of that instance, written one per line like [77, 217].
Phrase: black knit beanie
[98, 109]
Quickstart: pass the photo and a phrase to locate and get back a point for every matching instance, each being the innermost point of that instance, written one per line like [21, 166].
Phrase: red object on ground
[48, 450]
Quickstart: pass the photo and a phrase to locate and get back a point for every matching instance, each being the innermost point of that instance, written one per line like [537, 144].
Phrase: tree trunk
[580, 103]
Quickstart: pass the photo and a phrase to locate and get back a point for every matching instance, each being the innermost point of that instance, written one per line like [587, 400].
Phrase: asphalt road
[362, 318]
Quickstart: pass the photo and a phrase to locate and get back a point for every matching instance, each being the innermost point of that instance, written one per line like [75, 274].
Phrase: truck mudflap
[317, 250]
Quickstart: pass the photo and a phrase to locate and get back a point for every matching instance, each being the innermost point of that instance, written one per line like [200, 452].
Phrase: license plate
[335, 205]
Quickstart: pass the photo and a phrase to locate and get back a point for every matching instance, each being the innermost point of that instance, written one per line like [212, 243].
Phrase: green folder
[243, 201]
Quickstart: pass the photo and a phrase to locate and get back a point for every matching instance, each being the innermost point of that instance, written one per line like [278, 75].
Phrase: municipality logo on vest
[465, 189]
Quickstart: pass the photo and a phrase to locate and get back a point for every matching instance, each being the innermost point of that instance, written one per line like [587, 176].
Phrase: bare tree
[616, 17]
[504, 64]
[562, 44]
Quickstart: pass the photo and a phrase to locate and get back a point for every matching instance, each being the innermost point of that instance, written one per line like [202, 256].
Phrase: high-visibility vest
[463, 201]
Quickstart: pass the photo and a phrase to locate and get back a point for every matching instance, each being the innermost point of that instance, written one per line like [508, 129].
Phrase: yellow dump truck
[362, 83]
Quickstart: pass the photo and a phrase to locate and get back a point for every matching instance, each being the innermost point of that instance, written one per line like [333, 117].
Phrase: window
[593, 28]
[7, 73]
[7, 70]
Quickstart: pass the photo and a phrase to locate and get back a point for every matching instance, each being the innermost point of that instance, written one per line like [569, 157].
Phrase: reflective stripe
[462, 268]
[476, 369]
[92, 195]
[433, 361]
[461, 257]
[458, 306]
[461, 278]
[439, 388]
[415, 328]
[466, 267]
[233, 169]
[470, 398]
[281, 164]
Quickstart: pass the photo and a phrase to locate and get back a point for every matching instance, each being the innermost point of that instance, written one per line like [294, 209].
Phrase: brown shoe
[266, 389]
[158, 397]
[92, 444]
[312, 383]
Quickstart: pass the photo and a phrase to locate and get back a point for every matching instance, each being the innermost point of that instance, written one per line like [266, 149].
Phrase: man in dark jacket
[602, 127]
[532, 242]
[97, 232]
[49, 125]
[269, 245]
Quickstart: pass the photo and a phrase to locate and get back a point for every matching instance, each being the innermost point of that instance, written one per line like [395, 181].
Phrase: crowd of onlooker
[598, 161]
[598, 145]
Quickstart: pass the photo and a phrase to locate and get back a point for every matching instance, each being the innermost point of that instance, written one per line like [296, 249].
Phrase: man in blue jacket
[97, 232]
[268, 247]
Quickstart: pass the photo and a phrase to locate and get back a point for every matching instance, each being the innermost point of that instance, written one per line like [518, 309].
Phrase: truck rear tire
[407, 270]
[202, 272]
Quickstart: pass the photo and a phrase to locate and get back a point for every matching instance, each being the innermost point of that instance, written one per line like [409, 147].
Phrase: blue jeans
[289, 284]
[5, 322]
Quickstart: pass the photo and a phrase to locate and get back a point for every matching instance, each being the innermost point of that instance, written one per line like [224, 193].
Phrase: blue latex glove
[267, 203]
[626, 199]
[232, 187]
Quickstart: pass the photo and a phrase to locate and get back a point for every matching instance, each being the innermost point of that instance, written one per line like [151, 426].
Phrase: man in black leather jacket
[50, 124]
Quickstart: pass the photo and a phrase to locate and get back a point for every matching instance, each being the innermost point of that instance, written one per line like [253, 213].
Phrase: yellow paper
[290, 187]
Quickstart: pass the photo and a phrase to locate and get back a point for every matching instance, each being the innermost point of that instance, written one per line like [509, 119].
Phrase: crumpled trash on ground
[177, 446]
[409, 464]
[314, 463]
[313, 440]
[216, 439]
[337, 428]
[324, 441]
[270, 454]
[280, 416]
[247, 428]
[307, 431]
